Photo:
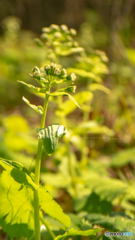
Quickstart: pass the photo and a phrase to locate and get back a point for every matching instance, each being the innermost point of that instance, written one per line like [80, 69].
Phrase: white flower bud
[53, 65]
[71, 77]
[54, 27]
[47, 69]
[64, 27]
[36, 75]
[44, 36]
[46, 30]
[63, 73]
[57, 35]
[57, 71]
[73, 31]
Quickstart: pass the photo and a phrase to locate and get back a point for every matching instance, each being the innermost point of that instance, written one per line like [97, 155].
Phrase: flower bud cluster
[59, 29]
[56, 34]
[53, 70]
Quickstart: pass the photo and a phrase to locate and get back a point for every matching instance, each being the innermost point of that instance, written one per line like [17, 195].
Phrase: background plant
[21, 209]
[91, 177]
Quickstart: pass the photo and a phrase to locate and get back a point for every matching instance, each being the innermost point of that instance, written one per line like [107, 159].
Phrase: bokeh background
[106, 29]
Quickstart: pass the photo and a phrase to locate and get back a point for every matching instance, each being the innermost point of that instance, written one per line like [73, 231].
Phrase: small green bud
[57, 71]
[73, 31]
[54, 27]
[71, 77]
[38, 42]
[47, 69]
[71, 89]
[53, 66]
[63, 73]
[35, 69]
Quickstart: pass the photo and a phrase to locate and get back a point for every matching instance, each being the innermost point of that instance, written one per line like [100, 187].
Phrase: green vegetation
[90, 171]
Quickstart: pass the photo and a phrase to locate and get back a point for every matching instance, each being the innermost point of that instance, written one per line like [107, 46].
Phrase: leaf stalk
[37, 173]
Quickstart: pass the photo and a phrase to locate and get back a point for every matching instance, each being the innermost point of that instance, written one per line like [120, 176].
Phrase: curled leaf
[38, 109]
[50, 136]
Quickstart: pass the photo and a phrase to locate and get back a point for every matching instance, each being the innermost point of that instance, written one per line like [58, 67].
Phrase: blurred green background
[106, 29]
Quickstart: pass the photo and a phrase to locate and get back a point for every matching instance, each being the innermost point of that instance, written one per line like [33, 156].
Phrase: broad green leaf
[60, 93]
[33, 88]
[107, 188]
[53, 223]
[114, 223]
[55, 179]
[95, 86]
[84, 73]
[16, 209]
[92, 127]
[74, 232]
[88, 203]
[50, 136]
[18, 136]
[38, 109]
[49, 206]
[123, 157]
[19, 173]
[69, 106]
[24, 159]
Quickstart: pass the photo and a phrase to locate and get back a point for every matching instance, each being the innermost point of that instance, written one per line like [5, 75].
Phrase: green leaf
[16, 209]
[16, 206]
[61, 93]
[35, 89]
[95, 86]
[52, 208]
[38, 109]
[113, 223]
[68, 89]
[107, 188]
[88, 203]
[68, 51]
[83, 73]
[92, 127]
[38, 42]
[123, 157]
[50, 136]
[19, 173]
[74, 232]
[69, 106]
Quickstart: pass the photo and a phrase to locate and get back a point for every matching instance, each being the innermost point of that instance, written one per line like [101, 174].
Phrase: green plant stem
[37, 174]
[47, 227]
